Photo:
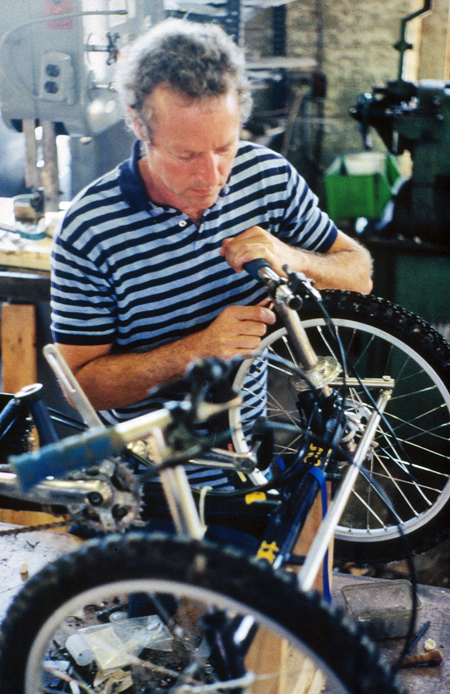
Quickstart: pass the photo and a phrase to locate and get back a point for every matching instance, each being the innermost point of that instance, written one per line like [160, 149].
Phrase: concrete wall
[352, 41]
[433, 56]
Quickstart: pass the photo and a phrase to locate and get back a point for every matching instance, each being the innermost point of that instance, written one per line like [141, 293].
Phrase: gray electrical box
[57, 59]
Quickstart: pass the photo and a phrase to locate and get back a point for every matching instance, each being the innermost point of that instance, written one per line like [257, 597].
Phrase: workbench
[24, 554]
[24, 284]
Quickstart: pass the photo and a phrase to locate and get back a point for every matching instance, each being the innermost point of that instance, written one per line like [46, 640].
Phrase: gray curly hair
[196, 60]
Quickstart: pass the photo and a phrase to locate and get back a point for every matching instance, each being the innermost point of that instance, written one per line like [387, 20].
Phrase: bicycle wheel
[409, 458]
[186, 592]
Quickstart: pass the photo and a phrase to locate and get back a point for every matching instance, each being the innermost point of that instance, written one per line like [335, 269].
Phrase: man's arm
[116, 380]
[346, 265]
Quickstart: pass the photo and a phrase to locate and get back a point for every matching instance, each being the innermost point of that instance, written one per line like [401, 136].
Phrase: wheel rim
[424, 433]
[167, 670]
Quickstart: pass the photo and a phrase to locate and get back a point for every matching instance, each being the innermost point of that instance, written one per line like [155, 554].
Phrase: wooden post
[18, 346]
[32, 178]
[49, 173]
[46, 174]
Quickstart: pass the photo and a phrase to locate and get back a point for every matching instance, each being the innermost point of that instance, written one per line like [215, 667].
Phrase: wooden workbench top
[31, 550]
[18, 252]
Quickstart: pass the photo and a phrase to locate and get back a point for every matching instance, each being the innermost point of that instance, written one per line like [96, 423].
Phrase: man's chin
[204, 198]
[200, 193]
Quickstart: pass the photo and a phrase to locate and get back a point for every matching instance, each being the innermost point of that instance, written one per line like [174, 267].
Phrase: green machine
[416, 118]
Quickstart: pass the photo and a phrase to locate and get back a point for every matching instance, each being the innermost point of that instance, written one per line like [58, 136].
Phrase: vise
[416, 118]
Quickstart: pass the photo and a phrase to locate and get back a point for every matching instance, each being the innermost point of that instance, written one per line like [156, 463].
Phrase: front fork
[327, 529]
[285, 527]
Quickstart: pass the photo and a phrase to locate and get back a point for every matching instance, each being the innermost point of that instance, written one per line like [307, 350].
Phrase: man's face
[192, 150]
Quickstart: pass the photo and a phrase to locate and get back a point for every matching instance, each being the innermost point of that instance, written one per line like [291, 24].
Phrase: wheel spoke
[410, 456]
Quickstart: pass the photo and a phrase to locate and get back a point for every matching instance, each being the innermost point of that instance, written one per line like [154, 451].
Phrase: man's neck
[195, 215]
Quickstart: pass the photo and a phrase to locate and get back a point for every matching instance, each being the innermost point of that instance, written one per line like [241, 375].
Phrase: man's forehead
[164, 97]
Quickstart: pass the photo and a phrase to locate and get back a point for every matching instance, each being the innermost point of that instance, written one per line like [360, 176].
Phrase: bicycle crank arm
[218, 457]
[58, 492]
[321, 542]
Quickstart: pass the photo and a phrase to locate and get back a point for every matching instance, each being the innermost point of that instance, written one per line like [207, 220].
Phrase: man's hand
[253, 244]
[236, 331]
[115, 380]
[346, 265]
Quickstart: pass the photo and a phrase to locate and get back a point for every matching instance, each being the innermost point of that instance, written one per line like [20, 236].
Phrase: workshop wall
[352, 41]
[434, 47]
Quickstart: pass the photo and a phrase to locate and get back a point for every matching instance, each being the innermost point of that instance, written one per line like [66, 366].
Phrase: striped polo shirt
[135, 274]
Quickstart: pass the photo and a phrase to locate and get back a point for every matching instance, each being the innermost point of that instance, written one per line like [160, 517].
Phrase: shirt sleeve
[304, 223]
[82, 301]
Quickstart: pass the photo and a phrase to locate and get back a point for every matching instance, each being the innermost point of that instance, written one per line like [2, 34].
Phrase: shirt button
[182, 223]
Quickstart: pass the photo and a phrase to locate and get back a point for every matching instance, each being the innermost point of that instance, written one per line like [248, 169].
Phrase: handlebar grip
[253, 266]
[75, 452]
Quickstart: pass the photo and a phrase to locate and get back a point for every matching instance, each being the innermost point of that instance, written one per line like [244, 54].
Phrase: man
[147, 269]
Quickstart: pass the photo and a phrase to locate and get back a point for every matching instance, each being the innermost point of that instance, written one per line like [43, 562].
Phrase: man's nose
[208, 169]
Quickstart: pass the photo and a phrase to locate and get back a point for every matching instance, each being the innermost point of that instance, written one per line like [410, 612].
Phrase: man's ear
[137, 125]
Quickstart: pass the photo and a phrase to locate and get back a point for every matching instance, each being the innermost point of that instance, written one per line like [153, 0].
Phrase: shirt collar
[132, 185]
[130, 182]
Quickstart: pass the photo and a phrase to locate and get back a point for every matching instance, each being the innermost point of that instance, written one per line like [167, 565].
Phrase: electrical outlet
[57, 78]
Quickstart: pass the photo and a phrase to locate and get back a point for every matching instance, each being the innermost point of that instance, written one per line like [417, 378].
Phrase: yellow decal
[267, 551]
[314, 455]
[255, 496]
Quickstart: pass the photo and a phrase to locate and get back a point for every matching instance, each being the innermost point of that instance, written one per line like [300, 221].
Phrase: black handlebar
[253, 266]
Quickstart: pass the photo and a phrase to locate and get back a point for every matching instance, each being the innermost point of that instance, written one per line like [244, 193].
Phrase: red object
[54, 8]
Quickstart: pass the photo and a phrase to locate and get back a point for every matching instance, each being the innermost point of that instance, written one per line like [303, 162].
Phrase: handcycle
[334, 425]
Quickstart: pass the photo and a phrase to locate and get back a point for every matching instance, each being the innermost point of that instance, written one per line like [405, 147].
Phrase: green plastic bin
[360, 185]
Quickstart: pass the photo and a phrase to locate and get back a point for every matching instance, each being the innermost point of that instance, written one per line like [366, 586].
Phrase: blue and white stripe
[138, 275]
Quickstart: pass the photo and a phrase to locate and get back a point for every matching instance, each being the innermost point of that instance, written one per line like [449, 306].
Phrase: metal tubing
[181, 502]
[325, 533]
[44, 424]
[178, 492]
[143, 426]
[57, 492]
[70, 386]
[299, 341]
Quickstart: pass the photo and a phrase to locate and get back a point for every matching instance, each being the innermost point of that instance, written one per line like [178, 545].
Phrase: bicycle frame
[173, 442]
[294, 502]
[285, 528]
[101, 443]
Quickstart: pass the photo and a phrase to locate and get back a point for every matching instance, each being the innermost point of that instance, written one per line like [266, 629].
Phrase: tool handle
[434, 657]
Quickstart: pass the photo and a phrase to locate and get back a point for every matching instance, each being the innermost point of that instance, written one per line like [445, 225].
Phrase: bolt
[95, 498]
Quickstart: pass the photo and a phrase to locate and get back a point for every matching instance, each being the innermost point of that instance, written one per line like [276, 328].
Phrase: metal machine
[57, 56]
[57, 60]
[416, 118]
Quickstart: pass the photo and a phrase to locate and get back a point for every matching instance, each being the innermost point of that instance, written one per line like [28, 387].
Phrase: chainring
[120, 512]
